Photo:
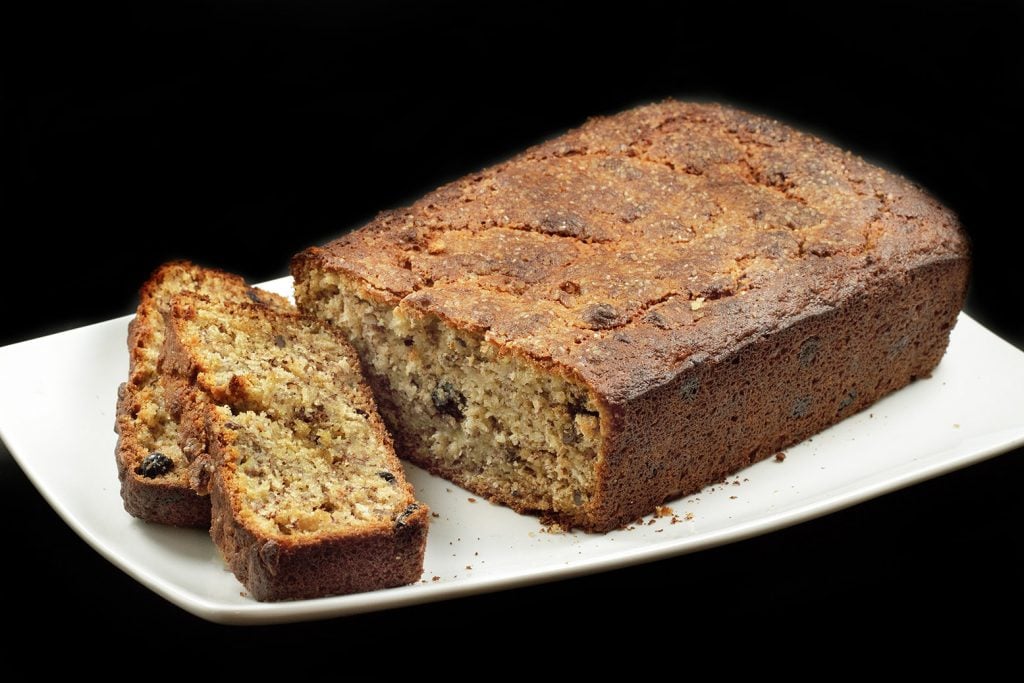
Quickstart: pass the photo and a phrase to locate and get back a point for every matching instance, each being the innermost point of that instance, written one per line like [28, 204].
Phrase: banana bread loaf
[635, 309]
[308, 498]
[152, 469]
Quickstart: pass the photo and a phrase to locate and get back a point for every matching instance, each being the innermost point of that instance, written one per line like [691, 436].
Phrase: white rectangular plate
[57, 397]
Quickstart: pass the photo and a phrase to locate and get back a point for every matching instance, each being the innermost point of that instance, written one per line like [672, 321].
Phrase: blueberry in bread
[308, 497]
[636, 309]
[151, 467]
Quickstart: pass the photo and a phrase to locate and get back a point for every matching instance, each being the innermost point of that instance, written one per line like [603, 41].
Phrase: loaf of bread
[151, 467]
[638, 308]
[308, 497]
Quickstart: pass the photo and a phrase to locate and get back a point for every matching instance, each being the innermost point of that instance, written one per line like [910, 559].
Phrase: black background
[237, 133]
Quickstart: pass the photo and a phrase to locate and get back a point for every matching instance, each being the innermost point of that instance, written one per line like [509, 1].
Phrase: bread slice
[634, 310]
[308, 497]
[151, 467]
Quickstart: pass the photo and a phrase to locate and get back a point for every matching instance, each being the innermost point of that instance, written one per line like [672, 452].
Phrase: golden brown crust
[669, 258]
[166, 498]
[276, 567]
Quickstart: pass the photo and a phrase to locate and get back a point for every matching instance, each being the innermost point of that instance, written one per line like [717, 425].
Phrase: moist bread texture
[308, 497]
[157, 490]
[636, 309]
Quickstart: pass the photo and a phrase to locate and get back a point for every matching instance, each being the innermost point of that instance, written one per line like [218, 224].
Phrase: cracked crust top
[626, 250]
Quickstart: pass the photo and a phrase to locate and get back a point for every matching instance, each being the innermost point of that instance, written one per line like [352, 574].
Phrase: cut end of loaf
[484, 418]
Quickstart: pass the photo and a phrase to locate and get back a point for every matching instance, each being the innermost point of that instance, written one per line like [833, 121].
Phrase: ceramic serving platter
[57, 397]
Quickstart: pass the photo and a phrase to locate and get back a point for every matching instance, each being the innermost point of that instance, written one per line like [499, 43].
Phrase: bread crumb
[689, 516]
[434, 515]
[551, 526]
[733, 497]
[471, 500]
[435, 578]
[662, 511]
[469, 567]
[779, 457]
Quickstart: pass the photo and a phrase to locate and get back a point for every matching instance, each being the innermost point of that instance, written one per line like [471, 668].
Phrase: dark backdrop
[237, 133]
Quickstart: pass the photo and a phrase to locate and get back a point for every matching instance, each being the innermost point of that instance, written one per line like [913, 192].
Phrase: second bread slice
[308, 498]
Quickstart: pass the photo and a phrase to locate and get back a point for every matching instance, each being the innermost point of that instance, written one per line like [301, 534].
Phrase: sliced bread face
[308, 497]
